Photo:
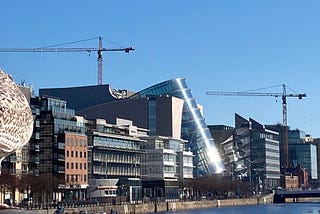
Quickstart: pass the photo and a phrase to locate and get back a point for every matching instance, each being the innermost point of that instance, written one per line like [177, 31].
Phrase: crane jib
[63, 49]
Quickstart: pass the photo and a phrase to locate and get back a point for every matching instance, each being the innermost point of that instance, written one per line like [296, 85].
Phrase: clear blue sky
[216, 45]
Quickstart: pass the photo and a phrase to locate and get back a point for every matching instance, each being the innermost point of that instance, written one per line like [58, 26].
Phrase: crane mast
[100, 62]
[99, 51]
[284, 96]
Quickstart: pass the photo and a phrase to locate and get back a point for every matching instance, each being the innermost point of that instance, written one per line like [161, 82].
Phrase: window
[76, 154]
[67, 165]
[67, 153]
[71, 165]
[152, 116]
[76, 165]
[80, 154]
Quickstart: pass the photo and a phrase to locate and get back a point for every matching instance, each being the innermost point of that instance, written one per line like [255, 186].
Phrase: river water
[288, 208]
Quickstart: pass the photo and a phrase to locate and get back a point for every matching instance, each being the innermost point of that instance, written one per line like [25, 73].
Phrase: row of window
[76, 165]
[116, 143]
[73, 179]
[118, 170]
[76, 154]
[76, 141]
[116, 158]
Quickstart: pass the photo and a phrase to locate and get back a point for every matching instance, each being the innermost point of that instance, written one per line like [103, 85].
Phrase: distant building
[297, 171]
[305, 155]
[301, 150]
[291, 182]
[316, 141]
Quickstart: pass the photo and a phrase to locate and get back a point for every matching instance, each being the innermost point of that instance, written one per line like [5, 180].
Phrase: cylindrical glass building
[194, 129]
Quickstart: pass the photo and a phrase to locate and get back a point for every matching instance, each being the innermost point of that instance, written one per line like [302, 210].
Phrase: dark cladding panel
[80, 97]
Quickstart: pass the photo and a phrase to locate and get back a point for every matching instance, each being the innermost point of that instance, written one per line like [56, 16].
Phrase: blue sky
[215, 45]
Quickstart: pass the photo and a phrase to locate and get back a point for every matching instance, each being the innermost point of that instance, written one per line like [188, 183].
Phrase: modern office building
[250, 152]
[183, 116]
[316, 141]
[193, 127]
[223, 137]
[301, 151]
[305, 154]
[63, 149]
[166, 163]
[114, 160]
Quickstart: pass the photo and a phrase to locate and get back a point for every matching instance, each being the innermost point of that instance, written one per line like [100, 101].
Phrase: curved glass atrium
[194, 130]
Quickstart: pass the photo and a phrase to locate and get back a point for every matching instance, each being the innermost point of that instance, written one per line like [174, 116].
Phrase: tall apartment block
[63, 149]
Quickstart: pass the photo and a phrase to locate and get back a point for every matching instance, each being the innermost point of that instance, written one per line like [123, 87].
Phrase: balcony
[61, 169]
[36, 135]
[36, 172]
[35, 148]
[35, 160]
[61, 157]
[12, 158]
[61, 145]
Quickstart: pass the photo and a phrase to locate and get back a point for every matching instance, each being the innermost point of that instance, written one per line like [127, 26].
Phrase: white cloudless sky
[232, 45]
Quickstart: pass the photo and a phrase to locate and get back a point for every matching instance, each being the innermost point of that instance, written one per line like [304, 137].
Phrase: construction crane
[283, 95]
[99, 51]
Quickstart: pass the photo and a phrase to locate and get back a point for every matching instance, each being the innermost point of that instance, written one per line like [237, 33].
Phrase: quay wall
[164, 206]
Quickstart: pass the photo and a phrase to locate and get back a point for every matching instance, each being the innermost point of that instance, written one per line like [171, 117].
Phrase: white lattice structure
[16, 121]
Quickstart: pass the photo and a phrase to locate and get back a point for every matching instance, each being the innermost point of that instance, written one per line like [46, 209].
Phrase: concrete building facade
[114, 160]
[166, 163]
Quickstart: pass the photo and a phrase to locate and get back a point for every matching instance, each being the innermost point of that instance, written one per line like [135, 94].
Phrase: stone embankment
[164, 206]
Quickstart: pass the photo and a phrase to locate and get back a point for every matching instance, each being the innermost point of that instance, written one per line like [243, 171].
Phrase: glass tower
[194, 129]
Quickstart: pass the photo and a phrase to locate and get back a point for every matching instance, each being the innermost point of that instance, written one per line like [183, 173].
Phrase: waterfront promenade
[168, 206]
[161, 206]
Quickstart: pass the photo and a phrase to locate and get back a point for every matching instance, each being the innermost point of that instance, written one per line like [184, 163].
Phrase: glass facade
[305, 154]
[251, 152]
[194, 129]
[114, 155]
[152, 116]
[295, 136]
[265, 159]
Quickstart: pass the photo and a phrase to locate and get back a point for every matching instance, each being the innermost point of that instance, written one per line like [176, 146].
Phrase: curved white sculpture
[16, 121]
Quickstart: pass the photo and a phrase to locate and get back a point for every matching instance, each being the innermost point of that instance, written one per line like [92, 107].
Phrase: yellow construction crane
[284, 96]
[99, 51]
